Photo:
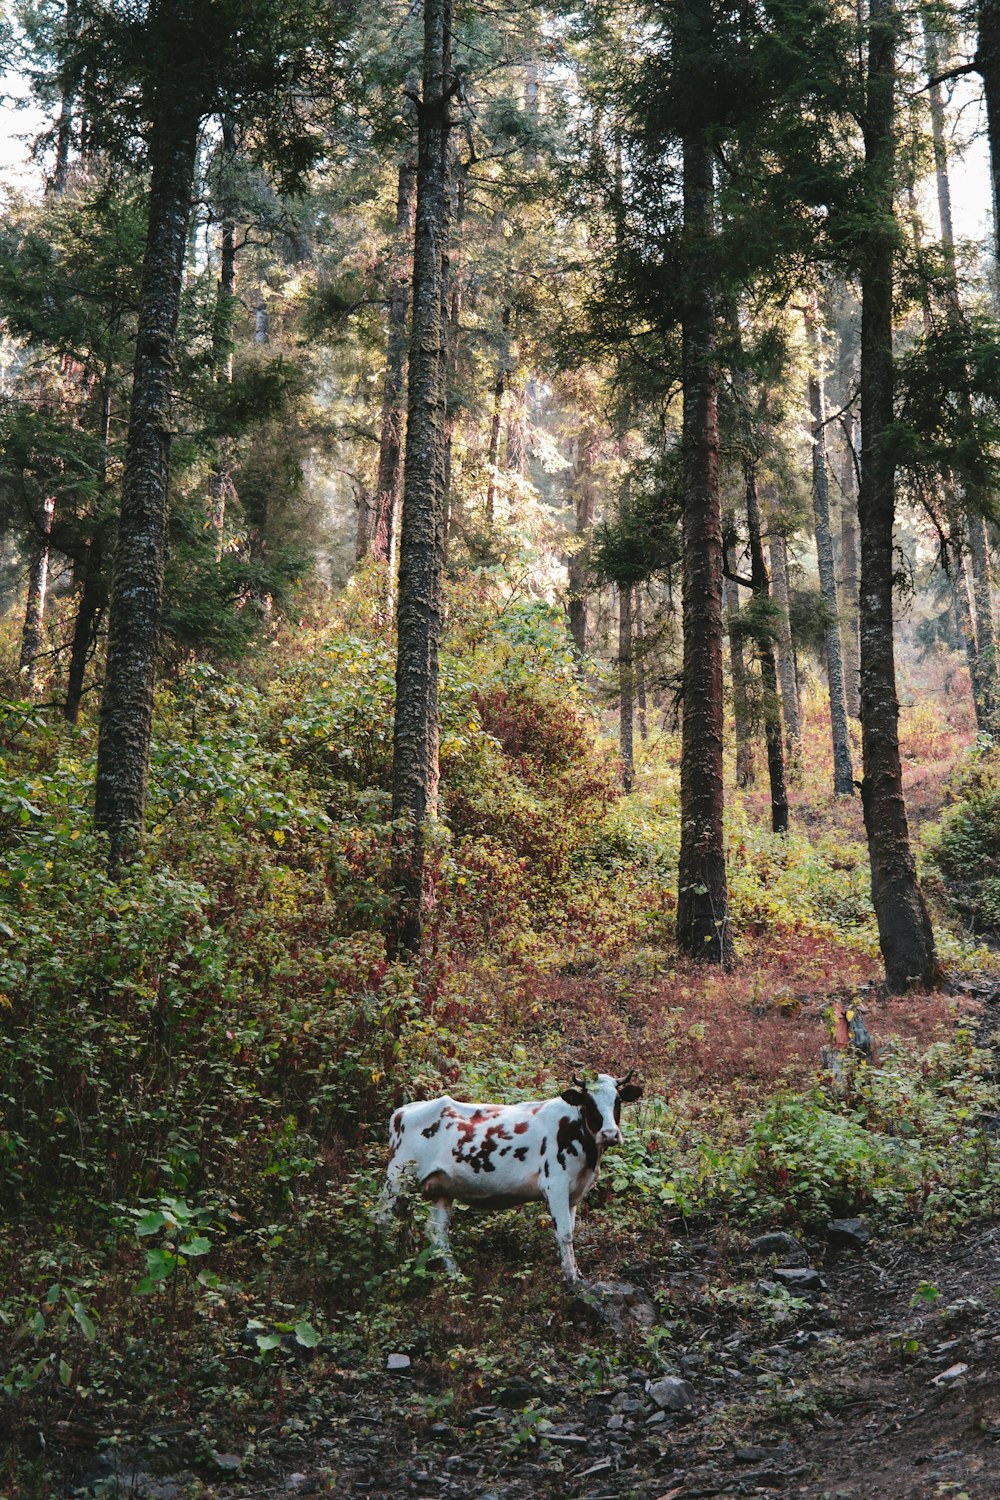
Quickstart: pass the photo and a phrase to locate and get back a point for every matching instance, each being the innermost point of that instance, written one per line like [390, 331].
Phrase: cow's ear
[572, 1096]
[630, 1093]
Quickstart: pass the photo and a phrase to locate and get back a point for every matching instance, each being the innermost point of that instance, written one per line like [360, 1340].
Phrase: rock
[949, 1376]
[398, 1362]
[671, 1393]
[569, 1439]
[296, 1482]
[779, 1243]
[615, 1423]
[229, 1463]
[847, 1234]
[614, 1304]
[799, 1278]
[765, 1479]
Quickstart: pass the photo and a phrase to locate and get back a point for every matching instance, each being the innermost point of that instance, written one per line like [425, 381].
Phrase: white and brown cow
[498, 1155]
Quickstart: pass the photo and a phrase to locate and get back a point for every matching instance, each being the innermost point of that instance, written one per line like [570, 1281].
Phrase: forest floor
[879, 1381]
[308, 1357]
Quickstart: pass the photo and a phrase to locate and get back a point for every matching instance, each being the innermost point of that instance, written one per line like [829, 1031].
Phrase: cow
[499, 1155]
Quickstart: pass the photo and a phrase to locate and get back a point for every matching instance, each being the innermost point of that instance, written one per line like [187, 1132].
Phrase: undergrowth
[198, 1059]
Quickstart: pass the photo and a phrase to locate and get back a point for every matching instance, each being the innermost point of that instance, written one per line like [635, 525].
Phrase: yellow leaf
[278, 836]
[74, 835]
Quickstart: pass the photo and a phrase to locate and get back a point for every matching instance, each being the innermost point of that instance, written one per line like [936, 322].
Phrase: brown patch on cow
[478, 1155]
[534, 1109]
[521, 1152]
[431, 1130]
[545, 1142]
[520, 1127]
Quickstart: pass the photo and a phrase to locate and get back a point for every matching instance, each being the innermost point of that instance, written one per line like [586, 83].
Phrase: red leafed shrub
[550, 744]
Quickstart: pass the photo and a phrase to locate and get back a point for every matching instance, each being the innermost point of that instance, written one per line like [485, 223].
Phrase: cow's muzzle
[610, 1137]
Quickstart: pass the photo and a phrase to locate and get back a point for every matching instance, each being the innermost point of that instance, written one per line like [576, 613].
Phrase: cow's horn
[621, 1082]
[579, 1083]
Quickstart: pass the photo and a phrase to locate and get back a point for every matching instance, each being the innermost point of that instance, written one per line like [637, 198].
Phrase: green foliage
[964, 847]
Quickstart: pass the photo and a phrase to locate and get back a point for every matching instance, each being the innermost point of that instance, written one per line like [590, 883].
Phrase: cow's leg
[564, 1219]
[438, 1219]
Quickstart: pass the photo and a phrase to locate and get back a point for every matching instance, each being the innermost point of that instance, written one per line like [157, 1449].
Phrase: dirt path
[865, 1398]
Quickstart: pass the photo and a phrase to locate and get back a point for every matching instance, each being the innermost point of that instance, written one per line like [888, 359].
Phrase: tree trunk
[986, 680]
[739, 675]
[770, 704]
[988, 59]
[67, 92]
[703, 928]
[415, 728]
[849, 571]
[843, 771]
[499, 388]
[626, 687]
[905, 934]
[93, 599]
[452, 291]
[34, 610]
[137, 591]
[381, 540]
[585, 502]
[786, 656]
[222, 352]
[639, 657]
[94, 592]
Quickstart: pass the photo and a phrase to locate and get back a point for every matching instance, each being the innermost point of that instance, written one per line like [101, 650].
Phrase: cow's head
[600, 1106]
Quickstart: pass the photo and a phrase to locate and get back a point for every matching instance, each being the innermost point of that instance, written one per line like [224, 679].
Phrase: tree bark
[739, 676]
[703, 927]
[849, 571]
[222, 352]
[499, 389]
[415, 728]
[786, 656]
[380, 541]
[34, 609]
[988, 59]
[93, 600]
[639, 657]
[626, 687]
[843, 771]
[770, 704]
[986, 678]
[137, 590]
[585, 503]
[905, 934]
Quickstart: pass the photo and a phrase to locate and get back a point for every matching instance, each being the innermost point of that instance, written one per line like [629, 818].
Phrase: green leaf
[197, 1245]
[266, 1341]
[306, 1335]
[65, 1373]
[150, 1223]
[85, 1322]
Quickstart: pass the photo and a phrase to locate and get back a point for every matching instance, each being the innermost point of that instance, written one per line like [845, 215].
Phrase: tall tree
[971, 528]
[703, 927]
[778, 550]
[171, 67]
[849, 564]
[738, 673]
[843, 771]
[421, 552]
[905, 933]
[760, 586]
[380, 537]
